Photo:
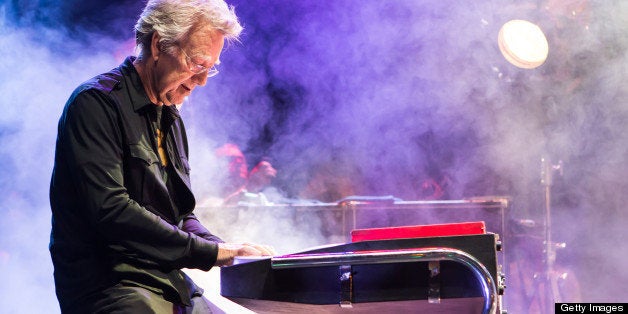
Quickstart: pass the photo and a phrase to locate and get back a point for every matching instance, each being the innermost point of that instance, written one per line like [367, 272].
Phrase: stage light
[523, 44]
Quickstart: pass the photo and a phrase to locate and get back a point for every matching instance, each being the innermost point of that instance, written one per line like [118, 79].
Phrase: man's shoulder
[105, 83]
[101, 91]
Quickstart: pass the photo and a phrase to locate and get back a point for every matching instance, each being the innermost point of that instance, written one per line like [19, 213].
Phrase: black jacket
[114, 217]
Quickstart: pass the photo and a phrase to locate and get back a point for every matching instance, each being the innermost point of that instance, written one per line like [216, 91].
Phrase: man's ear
[155, 46]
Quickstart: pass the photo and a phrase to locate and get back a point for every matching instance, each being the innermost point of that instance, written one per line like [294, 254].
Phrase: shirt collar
[137, 94]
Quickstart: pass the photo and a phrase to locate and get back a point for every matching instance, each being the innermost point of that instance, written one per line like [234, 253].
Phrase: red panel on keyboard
[421, 231]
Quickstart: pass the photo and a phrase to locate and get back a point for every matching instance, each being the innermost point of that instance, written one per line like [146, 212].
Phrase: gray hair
[173, 19]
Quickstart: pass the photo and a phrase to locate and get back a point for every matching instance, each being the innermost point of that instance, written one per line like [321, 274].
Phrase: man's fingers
[264, 250]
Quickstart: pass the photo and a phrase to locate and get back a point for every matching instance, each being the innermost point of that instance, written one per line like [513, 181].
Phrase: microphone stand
[547, 170]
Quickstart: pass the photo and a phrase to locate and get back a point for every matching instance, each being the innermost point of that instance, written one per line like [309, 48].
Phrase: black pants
[124, 299]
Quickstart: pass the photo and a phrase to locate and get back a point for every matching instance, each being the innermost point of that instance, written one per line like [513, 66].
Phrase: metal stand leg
[550, 279]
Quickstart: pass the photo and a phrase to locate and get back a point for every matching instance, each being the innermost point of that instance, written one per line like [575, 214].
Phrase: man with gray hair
[122, 220]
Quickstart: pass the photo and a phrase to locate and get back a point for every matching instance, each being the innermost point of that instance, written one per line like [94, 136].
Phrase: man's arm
[192, 224]
[92, 149]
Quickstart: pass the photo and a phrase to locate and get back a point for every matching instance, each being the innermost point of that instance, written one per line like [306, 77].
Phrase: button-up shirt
[120, 216]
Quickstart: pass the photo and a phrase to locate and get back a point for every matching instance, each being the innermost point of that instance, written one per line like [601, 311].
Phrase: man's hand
[228, 251]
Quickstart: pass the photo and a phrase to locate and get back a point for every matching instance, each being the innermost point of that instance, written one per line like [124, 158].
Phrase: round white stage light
[523, 44]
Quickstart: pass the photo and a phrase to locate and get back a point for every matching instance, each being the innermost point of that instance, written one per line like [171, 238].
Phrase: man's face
[237, 166]
[174, 77]
[234, 161]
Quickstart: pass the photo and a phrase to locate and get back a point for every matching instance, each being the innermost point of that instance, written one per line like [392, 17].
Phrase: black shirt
[116, 219]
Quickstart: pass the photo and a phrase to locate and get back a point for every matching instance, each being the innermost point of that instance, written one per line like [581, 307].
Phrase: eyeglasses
[198, 68]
